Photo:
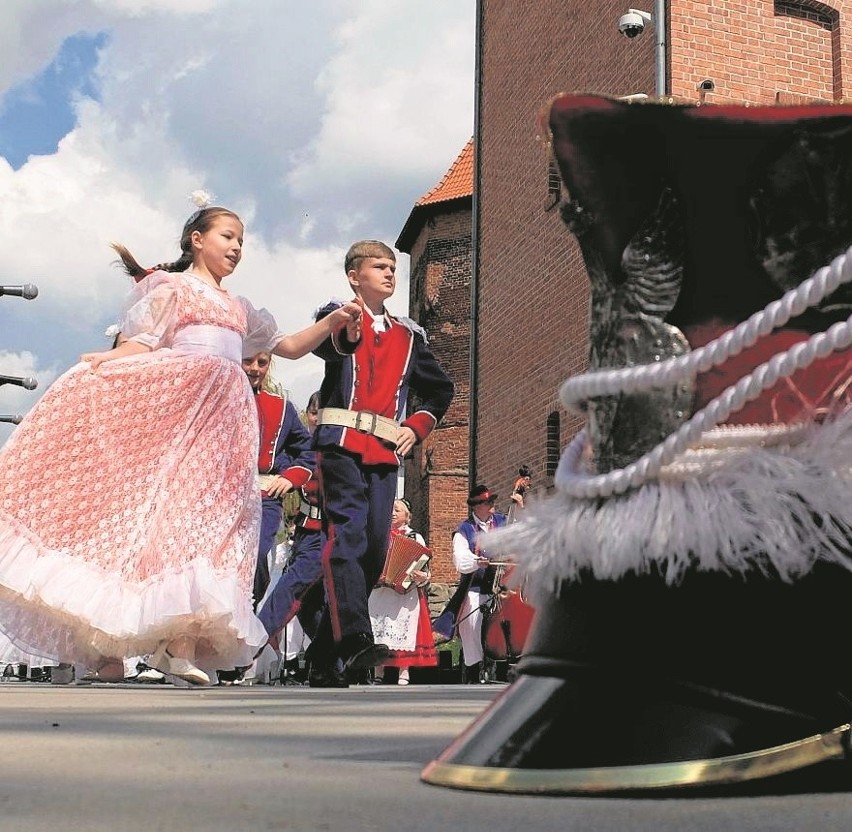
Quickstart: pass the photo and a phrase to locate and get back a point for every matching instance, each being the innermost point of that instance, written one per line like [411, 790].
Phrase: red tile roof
[457, 181]
[456, 184]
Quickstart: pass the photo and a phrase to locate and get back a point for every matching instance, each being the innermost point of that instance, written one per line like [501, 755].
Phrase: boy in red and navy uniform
[299, 589]
[371, 368]
[285, 460]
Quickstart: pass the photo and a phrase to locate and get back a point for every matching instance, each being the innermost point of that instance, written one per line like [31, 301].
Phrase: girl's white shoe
[184, 669]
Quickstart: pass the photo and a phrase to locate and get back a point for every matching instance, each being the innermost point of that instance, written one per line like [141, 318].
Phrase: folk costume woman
[143, 539]
[402, 621]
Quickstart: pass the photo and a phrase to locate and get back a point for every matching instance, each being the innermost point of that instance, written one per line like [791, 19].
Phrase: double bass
[507, 619]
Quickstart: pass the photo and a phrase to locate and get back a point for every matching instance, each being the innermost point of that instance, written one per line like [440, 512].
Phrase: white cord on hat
[570, 480]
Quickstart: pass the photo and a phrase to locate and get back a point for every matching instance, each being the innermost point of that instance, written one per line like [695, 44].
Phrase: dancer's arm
[301, 343]
[95, 359]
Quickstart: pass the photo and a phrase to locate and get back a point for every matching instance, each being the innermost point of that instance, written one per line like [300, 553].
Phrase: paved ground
[129, 757]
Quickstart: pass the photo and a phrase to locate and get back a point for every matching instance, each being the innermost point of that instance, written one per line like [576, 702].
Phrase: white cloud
[138, 8]
[396, 110]
[319, 123]
[16, 400]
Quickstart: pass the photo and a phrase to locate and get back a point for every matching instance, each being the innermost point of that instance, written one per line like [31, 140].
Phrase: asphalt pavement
[133, 757]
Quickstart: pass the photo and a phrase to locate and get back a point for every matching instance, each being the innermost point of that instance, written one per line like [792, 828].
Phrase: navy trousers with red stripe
[357, 507]
[270, 522]
[299, 589]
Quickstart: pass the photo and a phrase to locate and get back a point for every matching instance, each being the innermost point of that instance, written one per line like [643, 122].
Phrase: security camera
[707, 85]
[632, 24]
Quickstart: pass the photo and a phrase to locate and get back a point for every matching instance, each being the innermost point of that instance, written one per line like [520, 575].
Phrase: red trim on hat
[485, 497]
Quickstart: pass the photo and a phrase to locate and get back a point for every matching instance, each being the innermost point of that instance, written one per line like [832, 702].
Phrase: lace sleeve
[150, 313]
[262, 333]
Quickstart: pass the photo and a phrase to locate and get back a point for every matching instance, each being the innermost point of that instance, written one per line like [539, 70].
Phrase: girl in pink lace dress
[129, 513]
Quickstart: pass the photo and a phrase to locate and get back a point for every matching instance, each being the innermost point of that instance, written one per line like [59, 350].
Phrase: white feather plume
[777, 509]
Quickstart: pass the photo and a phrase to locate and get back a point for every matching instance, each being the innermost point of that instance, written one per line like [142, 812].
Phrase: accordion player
[405, 556]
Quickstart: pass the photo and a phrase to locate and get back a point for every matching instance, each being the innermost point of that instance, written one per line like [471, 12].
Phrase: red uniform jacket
[378, 374]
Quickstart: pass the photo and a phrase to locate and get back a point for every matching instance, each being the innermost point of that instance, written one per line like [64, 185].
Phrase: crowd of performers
[291, 605]
[713, 474]
[147, 554]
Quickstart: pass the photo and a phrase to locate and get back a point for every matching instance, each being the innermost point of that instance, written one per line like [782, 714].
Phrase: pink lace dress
[128, 507]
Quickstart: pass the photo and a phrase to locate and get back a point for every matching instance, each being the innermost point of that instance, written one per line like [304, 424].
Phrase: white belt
[361, 420]
[263, 481]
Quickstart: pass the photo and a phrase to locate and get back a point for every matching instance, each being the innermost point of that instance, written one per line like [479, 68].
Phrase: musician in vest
[464, 611]
[285, 459]
[298, 592]
[371, 368]
[517, 499]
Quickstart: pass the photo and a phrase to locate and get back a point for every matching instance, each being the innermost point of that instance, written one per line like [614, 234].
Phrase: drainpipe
[474, 252]
[660, 46]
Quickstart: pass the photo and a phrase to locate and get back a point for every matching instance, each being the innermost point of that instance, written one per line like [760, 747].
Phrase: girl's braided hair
[200, 221]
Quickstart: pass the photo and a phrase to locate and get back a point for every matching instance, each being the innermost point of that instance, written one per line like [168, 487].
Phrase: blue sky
[320, 123]
[39, 111]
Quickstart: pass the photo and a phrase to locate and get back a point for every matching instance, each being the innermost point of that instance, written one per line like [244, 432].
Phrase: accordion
[405, 555]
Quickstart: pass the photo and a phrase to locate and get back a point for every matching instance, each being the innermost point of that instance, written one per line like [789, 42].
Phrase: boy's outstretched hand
[348, 316]
[354, 324]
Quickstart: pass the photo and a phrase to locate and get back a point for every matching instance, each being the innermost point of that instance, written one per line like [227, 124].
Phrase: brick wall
[436, 479]
[760, 50]
[533, 305]
[532, 292]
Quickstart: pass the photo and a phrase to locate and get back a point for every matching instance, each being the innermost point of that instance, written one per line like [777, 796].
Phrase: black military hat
[773, 182]
[480, 494]
[638, 677]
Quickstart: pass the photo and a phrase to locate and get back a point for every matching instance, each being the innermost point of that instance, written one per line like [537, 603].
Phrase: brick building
[437, 236]
[496, 279]
[529, 283]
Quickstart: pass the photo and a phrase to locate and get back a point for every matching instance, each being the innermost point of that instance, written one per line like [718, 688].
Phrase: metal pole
[660, 46]
[473, 411]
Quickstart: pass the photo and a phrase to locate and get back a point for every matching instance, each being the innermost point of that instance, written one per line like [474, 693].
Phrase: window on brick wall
[818, 29]
[553, 448]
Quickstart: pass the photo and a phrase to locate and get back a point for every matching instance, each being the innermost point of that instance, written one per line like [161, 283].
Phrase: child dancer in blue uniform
[371, 367]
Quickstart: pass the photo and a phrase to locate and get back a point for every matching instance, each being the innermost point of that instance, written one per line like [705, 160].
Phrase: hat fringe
[766, 508]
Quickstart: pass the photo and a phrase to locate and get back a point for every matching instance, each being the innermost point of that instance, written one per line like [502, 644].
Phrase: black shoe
[358, 652]
[326, 676]
[226, 678]
[360, 677]
[292, 674]
[473, 674]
